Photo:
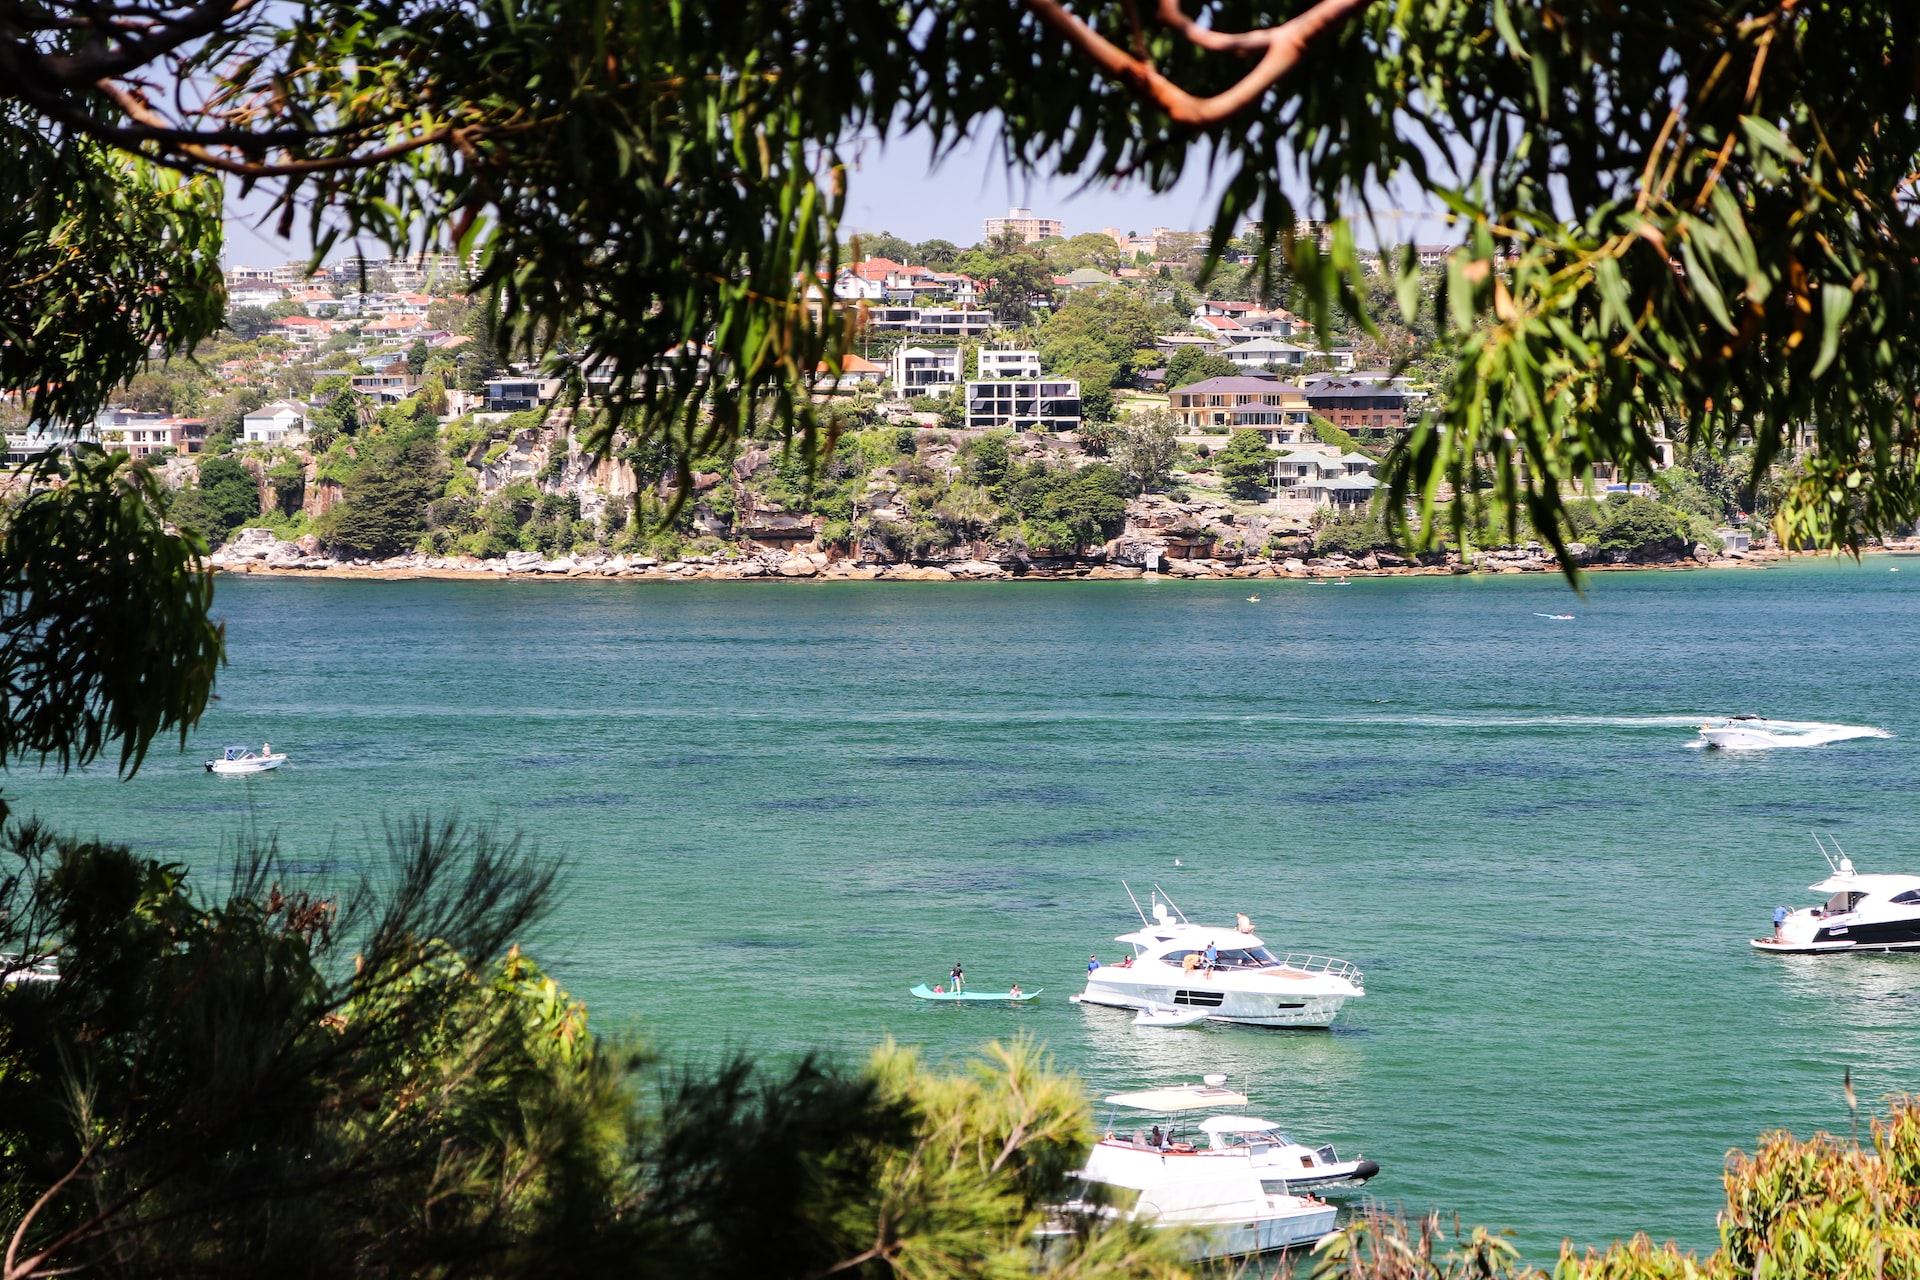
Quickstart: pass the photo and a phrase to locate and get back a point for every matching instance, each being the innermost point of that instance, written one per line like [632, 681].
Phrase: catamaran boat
[1861, 913]
[1181, 973]
[246, 760]
[1236, 1181]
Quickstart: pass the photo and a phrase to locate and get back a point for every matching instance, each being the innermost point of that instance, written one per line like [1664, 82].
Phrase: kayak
[926, 992]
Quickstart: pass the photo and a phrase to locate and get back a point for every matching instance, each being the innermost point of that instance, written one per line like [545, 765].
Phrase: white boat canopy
[1181, 1097]
[1236, 1124]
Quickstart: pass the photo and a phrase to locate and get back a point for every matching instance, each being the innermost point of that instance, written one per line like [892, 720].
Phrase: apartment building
[1022, 223]
[1039, 404]
[142, 435]
[273, 423]
[1355, 405]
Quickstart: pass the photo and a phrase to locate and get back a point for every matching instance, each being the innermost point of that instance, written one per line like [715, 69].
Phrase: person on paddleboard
[957, 977]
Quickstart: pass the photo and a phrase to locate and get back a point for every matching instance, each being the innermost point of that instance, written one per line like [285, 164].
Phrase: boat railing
[1329, 965]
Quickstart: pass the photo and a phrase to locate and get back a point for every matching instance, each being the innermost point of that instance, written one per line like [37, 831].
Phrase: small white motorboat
[247, 760]
[1166, 1015]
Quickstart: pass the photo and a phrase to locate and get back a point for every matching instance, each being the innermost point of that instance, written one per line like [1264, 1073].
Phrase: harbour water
[782, 805]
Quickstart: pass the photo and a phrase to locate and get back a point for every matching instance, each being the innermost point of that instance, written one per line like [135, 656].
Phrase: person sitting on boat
[1126, 961]
[1153, 1137]
[1190, 962]
[266, 749]
[939, 990]
[1014, 993]
[1093, 962]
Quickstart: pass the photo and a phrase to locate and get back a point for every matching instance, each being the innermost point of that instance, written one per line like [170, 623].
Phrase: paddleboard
[926, 992]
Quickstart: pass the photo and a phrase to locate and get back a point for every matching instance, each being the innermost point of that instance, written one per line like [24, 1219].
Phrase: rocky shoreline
[258, 551]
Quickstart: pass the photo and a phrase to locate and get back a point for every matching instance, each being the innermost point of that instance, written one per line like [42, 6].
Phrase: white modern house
[273, 423]
[924, 371]
[1040, 404]
[1003, 362]
[1325, 478]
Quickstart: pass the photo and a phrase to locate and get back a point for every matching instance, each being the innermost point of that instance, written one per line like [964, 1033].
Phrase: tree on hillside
[383, 507]
[1245, 465]
[1192, 364]
[225, 496]
[936, 255]
[882, 244]
[1148, 447]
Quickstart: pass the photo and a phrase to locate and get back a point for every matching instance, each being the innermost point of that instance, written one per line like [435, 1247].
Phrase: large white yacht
[1861, 913]
[1180, 972]
[1236, 1196]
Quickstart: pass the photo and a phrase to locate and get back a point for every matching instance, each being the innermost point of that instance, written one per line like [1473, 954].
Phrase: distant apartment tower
[1035, 404]
[1001, 362]
[1022, 223]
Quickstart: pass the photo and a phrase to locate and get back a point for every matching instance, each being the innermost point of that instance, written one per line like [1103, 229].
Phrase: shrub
[1348, 533]
[1630, 523]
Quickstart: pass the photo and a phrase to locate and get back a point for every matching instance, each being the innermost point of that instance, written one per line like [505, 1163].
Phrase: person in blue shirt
[1779, 918]
[1093, 962]
[1213, 957]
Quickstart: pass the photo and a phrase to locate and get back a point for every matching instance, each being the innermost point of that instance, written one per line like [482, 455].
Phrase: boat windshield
[1238, 958]
[1843, 902]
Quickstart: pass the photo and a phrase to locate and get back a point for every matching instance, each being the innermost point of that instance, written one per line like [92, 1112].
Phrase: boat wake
[1782, 734]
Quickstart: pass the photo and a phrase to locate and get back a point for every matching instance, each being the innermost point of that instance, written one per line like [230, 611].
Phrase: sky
[895, 187]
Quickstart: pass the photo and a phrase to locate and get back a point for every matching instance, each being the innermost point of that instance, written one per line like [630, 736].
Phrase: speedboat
[1244, 983]
[246, 760]
[1236, 1182]
[1861, 913]
[1744, 733]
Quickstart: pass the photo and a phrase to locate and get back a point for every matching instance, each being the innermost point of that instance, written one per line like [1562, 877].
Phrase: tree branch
[1281, 49]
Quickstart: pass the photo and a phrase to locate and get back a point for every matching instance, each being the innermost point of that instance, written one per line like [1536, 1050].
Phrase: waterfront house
[1277, 410]
[1325, 477]
[855, 371]
[520, 394]
[1006, 362]
[924, 371]
[1042, 404]
[143, 435]
[1260, 353]
[273, 423]
[1356, 405]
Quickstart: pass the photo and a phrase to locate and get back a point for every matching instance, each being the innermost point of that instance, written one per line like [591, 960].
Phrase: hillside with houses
[1034, 404]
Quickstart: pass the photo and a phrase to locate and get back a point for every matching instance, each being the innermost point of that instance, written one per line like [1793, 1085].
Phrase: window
[1911, 895]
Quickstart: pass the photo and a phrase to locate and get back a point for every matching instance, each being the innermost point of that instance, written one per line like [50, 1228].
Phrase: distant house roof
[1268, 344]
[279, 408]
[1218, 322]
[1356, 391]
[851, 363]
[1087, 276]
[1238, 384]
[876, 268]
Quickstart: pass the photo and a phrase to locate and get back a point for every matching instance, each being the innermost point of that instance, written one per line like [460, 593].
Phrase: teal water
[784, 804]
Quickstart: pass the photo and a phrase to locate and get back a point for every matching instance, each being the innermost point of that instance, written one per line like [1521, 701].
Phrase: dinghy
[1163, 1015]
[926, 992]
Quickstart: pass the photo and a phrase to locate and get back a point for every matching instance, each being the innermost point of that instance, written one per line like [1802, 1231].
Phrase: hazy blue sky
[894, 189]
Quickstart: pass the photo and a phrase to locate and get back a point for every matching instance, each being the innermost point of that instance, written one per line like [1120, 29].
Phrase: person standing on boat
[1779, 918]
[1093, 962]
[958, 978]
[1213, 956]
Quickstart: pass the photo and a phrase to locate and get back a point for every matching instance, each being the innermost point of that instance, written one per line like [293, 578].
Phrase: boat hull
[1312, 1011]
[1733, 739]
[1238, 1236]
[255, 764]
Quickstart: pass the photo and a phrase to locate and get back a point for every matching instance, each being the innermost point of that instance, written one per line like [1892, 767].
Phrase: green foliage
[1191, 364]
[288, 479]
[1245, 465]
[1148, 449]
[1327, 433]
[383, 510]
[229, 495]
[1633, 523]
[987, 460]
[105, 638]
[104, 256]
[1063, 510]
[1349, 533]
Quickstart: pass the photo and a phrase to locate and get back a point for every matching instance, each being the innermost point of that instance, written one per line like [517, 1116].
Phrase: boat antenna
[1831, 865]
[1170, 902]
[1846, 863]
[1136, 903]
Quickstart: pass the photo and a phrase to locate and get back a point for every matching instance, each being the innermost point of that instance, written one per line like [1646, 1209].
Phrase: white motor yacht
[1171, 979]
[246, 760]
[1861, 913]
[1235, 1181]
